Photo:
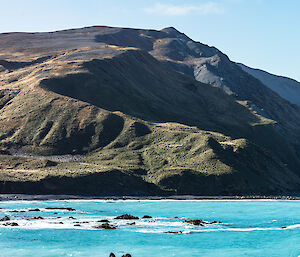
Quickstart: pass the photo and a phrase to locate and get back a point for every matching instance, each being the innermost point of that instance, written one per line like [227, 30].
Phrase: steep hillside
[287, 88]
[209, 65]
[114, 98]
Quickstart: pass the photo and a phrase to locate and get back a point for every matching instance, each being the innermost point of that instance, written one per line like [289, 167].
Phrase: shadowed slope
[287, 88]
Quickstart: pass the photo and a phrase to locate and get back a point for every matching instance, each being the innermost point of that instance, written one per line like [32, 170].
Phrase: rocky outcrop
[126, 217]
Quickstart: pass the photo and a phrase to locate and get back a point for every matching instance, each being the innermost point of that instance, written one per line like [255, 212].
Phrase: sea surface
[247, 228]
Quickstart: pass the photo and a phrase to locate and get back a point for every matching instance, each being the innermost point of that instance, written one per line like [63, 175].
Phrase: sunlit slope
[139, 126]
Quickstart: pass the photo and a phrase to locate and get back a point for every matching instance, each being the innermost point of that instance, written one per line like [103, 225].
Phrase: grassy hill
[137, 125]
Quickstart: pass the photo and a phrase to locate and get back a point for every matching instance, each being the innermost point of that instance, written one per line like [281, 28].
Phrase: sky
[262, 34]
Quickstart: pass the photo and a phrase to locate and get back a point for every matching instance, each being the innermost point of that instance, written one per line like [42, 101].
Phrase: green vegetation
[139, 128]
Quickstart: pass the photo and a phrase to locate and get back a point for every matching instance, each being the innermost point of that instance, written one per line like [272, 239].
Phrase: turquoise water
[248, 228]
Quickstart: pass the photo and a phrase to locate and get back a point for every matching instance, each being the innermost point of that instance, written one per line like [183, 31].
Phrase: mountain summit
[115, 111]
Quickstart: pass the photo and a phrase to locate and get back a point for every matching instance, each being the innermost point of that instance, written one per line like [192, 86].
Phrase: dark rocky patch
[126, 217]
[104, 221]
[105, 226]
[61, 208]
[13, 224]
[38, 218]
[146, 217]
[200, 222]
[195, 222]
[5, 218]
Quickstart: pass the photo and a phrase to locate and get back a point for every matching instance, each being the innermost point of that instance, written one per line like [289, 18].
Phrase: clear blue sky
[259, 33]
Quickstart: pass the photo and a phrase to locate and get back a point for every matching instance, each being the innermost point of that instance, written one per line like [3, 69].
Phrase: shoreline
[26, 197]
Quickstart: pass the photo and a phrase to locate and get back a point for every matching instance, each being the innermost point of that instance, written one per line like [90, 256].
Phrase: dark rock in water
[105, 226]
[38, 218]
[283, 227]
[112, 255]
[72, 218]
[201, 222]
[195, 222]
[133, 223]
[146, 217]
[214, 222]
[173, 232]
[77, 225]
[126, 217]
[5, 218]
[55, 213]
[13, 224]
[106, 221]
[126, 255]
[34, 210]
[60, 208]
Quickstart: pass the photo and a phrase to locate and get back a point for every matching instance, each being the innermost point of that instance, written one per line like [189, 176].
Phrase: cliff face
[148, 112]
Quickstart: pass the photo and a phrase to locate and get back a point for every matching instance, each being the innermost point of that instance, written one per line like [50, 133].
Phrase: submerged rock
[126, 255]
[112, 255]
[5, 218]
[34, 209]
[126, 217]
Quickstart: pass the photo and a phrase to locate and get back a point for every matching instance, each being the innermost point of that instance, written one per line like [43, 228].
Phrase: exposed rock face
[287, 88]
[146, 112]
